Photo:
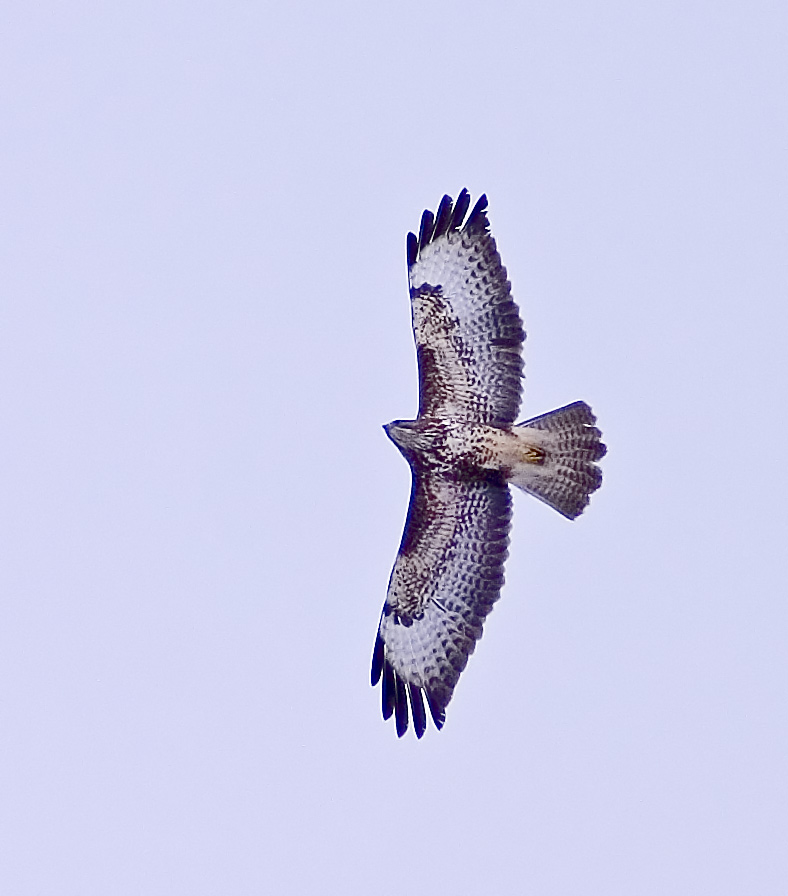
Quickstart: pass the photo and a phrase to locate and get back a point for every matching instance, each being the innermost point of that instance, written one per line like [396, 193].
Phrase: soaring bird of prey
[464, 450]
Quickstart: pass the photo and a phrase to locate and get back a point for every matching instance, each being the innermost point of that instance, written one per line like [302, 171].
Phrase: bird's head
[414, 438]
[404, 434]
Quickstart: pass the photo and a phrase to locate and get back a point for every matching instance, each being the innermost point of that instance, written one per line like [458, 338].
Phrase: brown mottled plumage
[464, 450]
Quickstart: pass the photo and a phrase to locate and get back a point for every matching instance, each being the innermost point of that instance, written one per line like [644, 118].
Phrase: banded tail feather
[569, 445]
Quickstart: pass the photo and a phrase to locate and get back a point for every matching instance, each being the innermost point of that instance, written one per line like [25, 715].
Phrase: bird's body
[461, 448]
[464, 450]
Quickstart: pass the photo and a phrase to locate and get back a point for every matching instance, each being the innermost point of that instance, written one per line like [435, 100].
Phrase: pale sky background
[205, 323]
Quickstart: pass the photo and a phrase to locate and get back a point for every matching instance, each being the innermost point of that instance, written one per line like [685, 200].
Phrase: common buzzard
[464, 450]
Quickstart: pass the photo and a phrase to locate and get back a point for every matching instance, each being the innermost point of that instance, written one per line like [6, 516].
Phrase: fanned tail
[562, 448]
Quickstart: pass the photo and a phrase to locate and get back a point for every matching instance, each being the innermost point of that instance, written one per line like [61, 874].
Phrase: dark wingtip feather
[417, 708]
[460, 209]
[388, 695]
[443, 218]
[377, 660]
[449, 216]
[401, 706]
[437, 711]
[412, 249]
[427, 228]
[477, 216]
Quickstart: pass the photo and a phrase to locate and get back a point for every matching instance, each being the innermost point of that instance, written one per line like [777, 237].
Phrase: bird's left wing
[448, 574]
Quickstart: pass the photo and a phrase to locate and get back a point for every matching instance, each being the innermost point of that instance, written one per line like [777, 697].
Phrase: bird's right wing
[448, 574]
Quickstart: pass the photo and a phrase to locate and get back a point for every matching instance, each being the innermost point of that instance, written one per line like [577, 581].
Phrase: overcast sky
[205, 322]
